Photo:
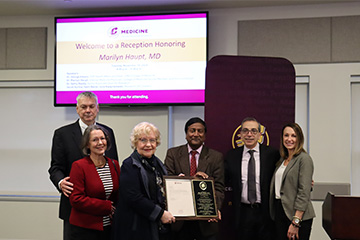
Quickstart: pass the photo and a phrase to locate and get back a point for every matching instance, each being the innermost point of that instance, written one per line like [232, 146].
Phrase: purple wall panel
[240, 86]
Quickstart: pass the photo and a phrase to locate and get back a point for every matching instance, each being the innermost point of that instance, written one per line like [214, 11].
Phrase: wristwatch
[297, 221]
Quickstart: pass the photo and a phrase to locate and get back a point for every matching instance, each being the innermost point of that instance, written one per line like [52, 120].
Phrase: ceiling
[58, 7]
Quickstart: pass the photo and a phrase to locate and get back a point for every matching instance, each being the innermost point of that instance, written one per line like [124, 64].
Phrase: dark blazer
[65, 150]
[296, 187]
[137, 216]
[88, 199]
[268, 159]
[210, 162]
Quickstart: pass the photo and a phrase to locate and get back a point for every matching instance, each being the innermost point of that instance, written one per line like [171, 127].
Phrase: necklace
[286, 161]
[101, 164]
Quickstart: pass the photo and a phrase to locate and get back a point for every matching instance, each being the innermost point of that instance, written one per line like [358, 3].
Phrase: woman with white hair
[141, 210]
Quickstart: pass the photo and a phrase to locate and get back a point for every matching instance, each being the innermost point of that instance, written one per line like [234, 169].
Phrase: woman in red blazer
[96, 184]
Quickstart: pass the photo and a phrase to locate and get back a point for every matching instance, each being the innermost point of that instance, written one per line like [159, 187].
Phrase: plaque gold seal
[203, 185]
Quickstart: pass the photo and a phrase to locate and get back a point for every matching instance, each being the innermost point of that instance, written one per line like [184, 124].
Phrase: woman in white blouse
[290, 203]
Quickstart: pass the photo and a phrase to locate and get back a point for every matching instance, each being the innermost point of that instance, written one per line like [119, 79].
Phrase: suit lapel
[262, 164]
[185, 164]
[238, 164]
[77, 135]
[184, 160]
[202, 164]
[289, 166]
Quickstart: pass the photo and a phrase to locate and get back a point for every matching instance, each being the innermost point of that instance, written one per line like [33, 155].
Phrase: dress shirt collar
[256, 148]
[198, 150]
[83, 126]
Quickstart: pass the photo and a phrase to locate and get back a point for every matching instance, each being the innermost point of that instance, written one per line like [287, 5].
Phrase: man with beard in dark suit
[196, 159]
[248, 170]
[66, 149]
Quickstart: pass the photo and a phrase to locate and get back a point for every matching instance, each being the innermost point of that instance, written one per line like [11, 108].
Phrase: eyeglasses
[253, 131]
[96, 140]
[145, 141]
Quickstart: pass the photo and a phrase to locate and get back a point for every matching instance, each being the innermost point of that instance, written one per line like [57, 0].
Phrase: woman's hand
[293, 232]
[167, 217]
[112, 210]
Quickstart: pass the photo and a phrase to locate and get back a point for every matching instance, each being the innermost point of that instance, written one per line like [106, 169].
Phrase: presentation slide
[146, 59]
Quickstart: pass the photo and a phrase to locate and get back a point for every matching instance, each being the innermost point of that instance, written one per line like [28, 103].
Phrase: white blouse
[278, 180]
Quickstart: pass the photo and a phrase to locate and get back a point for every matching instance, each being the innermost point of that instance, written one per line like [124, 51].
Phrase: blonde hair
[141, 129]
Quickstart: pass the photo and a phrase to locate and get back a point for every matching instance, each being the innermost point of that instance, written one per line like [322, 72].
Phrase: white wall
[329, 90]
[355, 132]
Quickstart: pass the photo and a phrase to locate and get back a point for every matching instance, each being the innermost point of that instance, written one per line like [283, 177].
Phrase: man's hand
[216, 219]
[66, 186]
[201, 175]
[198, 174]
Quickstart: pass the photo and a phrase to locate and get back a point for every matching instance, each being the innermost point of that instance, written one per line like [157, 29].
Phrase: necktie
[251, 178]
[193, 163]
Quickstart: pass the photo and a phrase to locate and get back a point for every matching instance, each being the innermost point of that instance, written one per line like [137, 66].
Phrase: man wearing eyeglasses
[66, 149]
[249, 170]
[196, 159]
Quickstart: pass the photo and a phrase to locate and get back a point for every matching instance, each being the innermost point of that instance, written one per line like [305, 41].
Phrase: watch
[297, 221]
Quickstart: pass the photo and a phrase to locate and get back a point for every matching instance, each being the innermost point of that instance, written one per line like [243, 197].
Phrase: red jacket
[88, 200]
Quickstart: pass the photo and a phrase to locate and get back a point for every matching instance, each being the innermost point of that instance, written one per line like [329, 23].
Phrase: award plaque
[189, 198]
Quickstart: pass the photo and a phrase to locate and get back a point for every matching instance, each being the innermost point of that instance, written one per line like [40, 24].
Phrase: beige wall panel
[329, 109]
[299, 40]
[2, 48]
[30, 221]
[346, 39]
[26, 48]
[122, 120]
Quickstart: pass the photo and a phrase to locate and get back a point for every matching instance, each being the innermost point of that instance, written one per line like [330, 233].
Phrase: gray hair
[86, 95]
